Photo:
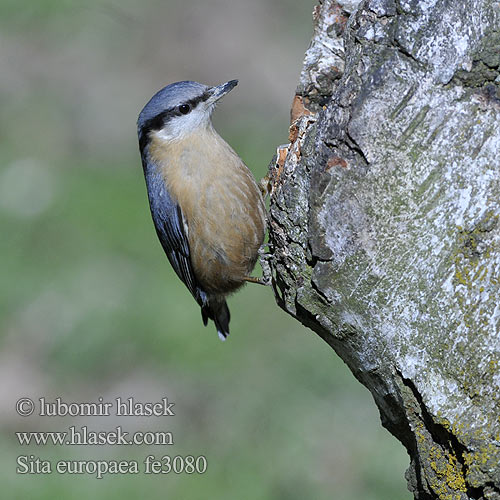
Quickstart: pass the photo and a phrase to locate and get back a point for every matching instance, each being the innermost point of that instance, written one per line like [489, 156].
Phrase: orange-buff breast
[223, 209]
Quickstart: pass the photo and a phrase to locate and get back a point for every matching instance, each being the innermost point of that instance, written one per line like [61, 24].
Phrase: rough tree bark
[384, 223]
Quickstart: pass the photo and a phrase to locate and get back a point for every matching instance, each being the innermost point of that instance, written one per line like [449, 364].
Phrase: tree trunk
[384, 223]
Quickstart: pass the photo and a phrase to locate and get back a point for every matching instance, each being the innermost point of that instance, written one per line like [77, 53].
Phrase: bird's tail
[216, 309]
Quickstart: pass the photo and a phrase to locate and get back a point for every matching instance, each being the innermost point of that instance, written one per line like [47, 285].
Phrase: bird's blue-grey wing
[169, 224]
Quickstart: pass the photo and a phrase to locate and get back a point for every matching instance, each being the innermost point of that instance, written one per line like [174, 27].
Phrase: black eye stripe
[192, 103]
[158, 121]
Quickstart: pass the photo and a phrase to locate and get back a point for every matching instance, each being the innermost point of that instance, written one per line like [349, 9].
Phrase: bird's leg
[254, 279]
[265, 186]
[264, 258]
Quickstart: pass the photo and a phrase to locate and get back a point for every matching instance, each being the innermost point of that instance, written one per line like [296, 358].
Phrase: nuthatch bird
[206, 206]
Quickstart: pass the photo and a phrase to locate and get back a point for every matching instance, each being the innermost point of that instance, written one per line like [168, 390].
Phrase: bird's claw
[265, 186]
[266, 278]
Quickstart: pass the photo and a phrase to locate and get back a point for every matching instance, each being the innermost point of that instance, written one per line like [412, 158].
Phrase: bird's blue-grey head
[179, 109]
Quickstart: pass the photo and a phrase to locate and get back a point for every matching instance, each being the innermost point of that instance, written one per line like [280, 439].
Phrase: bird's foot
[254, 279]
[266, 278]
[265, 186]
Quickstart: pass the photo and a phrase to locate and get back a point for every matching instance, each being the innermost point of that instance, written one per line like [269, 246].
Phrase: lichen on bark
[384, 223]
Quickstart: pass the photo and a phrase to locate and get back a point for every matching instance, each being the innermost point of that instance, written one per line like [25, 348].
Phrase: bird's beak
[221, 91]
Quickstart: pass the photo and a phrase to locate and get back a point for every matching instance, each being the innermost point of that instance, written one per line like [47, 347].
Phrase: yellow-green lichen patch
[448, 479]
[475, 289]
[480, 462]
[419, 432]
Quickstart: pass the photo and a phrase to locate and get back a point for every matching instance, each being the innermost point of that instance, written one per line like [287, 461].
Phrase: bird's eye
[184, 109]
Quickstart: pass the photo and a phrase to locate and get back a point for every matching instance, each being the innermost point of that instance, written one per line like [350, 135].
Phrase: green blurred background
[89, 306]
